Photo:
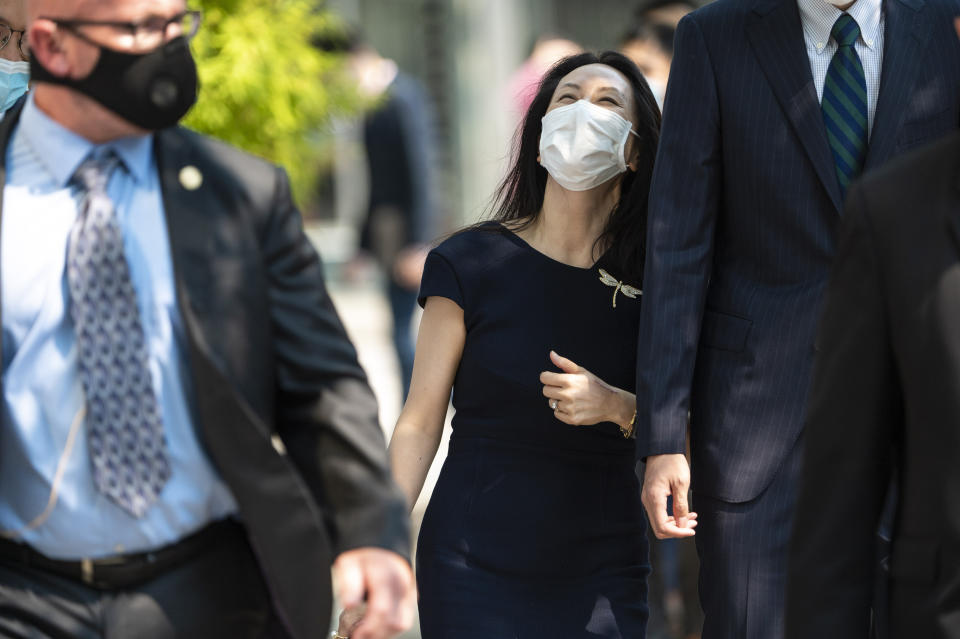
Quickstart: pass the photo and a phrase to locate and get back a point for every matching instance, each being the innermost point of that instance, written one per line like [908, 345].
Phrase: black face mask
[150, 90]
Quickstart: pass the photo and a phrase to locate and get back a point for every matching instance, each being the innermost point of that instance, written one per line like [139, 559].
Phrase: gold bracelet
[627, 431]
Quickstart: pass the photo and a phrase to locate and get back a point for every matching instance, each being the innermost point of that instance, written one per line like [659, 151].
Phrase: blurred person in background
[665, 12]
[650, 46]
[546, 52]
[401, 214]
[14, 53]
[774, 107]
[187, 441]
[534, 528]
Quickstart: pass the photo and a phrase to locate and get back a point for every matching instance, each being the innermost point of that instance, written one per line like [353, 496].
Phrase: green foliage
[265, 88]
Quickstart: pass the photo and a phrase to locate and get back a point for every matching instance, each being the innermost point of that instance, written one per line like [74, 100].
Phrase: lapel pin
[191, 178]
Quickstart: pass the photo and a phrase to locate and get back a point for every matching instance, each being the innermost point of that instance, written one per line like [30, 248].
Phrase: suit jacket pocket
[928, 129]
[724, 331]
[915, 561]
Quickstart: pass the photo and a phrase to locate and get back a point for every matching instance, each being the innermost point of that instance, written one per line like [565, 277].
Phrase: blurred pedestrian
[774, 107]
[534, 528]
[650, 46]
[666, 12]
[401, 217]
[525, 81]
[885, 398]
[14, 53]
[187, 441]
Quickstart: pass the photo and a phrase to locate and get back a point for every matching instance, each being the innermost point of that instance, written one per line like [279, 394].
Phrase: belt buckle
[86, 571]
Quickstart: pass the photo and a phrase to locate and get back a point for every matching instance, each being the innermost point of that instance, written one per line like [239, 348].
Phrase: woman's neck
[571, 222]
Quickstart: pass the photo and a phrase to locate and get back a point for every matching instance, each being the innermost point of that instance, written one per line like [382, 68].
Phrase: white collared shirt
[818, 18]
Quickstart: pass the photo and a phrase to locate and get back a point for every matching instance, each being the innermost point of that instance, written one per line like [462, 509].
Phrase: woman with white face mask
[14, 53]
[535, 527]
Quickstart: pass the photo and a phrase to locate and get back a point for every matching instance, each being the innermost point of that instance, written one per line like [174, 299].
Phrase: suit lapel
[183, 203]
[776, 35]
[903, 54]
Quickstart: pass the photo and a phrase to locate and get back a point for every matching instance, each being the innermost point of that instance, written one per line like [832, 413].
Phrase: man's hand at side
[665, 476]
[383, 581]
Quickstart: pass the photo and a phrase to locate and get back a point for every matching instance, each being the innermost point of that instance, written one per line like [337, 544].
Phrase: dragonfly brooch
[619, 287]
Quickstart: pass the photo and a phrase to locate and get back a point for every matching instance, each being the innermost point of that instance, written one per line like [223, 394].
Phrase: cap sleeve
[439, 280]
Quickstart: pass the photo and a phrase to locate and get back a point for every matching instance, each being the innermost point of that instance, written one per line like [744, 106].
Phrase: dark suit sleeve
[855, 405]
[326, 413]
[684, 197]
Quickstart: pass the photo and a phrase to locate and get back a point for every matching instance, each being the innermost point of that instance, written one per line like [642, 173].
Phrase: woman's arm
[417, 434]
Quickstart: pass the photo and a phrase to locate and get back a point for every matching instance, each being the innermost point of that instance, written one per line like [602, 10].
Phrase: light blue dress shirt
[818, 18]
[42, 392]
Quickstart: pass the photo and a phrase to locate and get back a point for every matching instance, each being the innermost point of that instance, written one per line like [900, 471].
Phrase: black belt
[122, 571]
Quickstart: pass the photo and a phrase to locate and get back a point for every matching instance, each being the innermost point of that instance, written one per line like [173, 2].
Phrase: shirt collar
[818, 17]
[61, 151]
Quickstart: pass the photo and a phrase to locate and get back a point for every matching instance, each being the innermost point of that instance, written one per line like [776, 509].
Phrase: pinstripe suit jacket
[744, 212]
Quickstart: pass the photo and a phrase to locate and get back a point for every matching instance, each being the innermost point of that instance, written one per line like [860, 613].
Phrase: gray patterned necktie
[124, 426]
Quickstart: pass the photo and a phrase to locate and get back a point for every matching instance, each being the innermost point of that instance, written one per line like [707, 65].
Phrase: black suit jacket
[885, 395]
[283, 407]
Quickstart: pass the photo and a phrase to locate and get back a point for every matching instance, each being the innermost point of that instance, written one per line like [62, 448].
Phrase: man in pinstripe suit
[773, 107]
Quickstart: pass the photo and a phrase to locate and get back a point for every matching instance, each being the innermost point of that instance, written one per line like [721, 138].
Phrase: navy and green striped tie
[845, 103]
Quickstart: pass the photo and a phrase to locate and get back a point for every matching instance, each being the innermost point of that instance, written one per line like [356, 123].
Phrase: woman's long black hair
[520, 195]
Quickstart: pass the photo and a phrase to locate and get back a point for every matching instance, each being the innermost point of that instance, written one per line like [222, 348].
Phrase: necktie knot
[845, 31]
[94, 172]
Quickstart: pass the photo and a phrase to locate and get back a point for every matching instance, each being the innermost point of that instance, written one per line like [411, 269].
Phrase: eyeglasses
[6, 34]
[145, 34]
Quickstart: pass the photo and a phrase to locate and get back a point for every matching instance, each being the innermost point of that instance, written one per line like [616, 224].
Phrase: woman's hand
[580, 398]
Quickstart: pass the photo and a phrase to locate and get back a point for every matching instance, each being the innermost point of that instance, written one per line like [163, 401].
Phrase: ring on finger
[553, 404]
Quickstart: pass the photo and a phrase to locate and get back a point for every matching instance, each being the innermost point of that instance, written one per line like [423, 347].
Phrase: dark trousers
[402, 303]
[219, 593]
[743, 552]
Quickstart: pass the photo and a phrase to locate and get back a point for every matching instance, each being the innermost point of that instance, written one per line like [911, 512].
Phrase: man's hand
[668, 475]
[383, 582]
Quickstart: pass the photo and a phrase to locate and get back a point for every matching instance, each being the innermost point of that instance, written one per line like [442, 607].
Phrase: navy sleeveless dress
[535, 528]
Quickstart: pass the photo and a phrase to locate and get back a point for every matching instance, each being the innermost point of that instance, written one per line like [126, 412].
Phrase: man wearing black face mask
[187, 441]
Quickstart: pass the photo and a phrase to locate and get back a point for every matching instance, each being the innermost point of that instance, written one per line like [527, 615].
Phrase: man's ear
[956, 25]
[46, 45]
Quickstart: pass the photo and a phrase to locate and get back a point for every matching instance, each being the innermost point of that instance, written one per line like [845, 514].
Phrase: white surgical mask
[14, 78]
[581, 145]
